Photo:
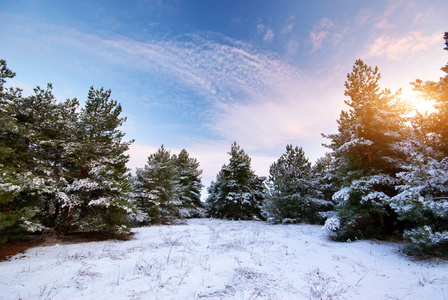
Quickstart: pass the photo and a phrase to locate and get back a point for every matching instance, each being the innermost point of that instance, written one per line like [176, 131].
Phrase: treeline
[63, 168]
[386, 172]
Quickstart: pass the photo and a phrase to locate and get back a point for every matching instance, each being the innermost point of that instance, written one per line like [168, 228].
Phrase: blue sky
[201, 74]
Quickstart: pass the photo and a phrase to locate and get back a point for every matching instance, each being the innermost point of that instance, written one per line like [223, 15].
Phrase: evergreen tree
[321, 177]
[422, 201]
[168, 187]
[189, 184]
[14, 174]
[323, 187]
[61, 169]
[156, 188]
[367, 155]
[237, 193]
[96, 196]
[437, 125]
[32, 148]
[292, 191]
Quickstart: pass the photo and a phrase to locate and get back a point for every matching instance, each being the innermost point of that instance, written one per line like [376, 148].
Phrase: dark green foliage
[294, 193]
[237, 192]
[367, 155]
[422, 201]
[168, 187]
[100, 183]
[155, 188]
[62, 169]
[189, 185]
[423, 204]
[18, 137]
[321, 179]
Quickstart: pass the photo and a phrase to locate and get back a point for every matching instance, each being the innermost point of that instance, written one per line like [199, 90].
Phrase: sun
[418, 103]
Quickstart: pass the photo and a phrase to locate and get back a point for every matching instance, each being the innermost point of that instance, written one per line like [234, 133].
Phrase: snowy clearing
[216, 259]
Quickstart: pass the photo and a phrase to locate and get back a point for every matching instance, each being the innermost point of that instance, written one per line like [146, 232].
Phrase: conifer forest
[385, 175]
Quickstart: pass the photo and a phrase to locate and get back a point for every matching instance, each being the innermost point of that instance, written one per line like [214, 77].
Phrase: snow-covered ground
[215, 259]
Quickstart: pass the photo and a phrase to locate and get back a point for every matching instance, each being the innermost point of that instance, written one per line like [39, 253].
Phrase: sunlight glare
[417, 103]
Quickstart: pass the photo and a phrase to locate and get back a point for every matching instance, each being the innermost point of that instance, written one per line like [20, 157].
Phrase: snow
[332, 224]
[217, 259]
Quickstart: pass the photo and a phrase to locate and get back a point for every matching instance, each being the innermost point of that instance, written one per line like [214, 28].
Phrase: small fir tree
[189, 185]
[237, 192]
[156, 188]
[291, 194]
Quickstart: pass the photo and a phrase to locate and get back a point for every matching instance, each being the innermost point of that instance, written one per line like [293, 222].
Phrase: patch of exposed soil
[20, 246]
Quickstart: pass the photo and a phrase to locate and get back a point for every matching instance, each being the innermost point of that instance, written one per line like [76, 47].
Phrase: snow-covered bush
[332, 224]
[426, 241]
[363, 208]
[422, 202]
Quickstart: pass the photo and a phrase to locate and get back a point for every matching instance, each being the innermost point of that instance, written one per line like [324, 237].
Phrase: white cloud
[288, 28]
[266, 32]
[400, 47]
[261, 28]
[269, 36]
[249, 96]
[383, 20]
[260, 101]
[320, 32]
[363, 16]
[290, 25]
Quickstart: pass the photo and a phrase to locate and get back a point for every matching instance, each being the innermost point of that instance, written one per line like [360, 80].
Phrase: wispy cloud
[289, 26]
[363, 16]
[266, 32]
[393, 47]
[269, 36]
[252, 97]
[247, 95]
[320, 32]
[213, 66]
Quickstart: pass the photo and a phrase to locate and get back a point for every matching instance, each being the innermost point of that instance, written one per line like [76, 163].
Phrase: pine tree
[438, 121]
[237, 192]
[47, 126]
[96, 196]
[189, 184]
[322, 187]
[367, 155]
[32, 153]
[156, 188]
[292, 196]
[422, 201]
[61, 169]
[13, 174]
[321, 175]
